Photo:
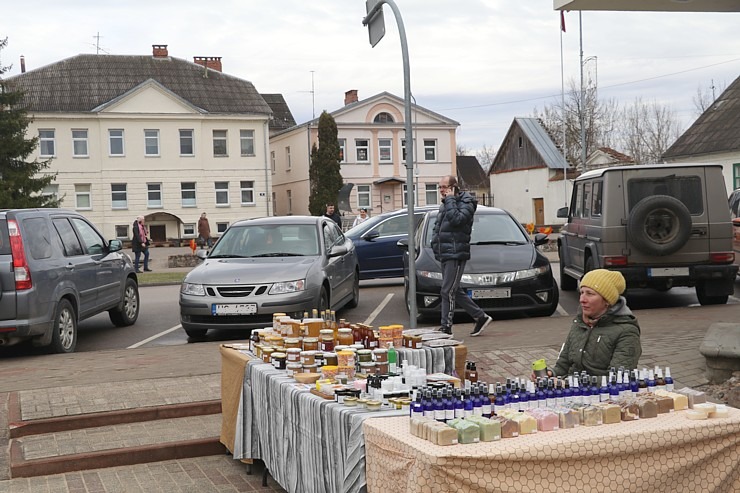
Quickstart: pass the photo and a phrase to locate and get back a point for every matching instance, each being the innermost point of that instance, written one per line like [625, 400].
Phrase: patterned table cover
[669, 453]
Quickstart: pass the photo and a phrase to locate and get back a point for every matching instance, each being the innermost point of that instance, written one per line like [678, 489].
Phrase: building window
[383, 117]
[430, 150]
[246, 138]
[79, 143]
[115, 142]
[342, 145]
[247, 192]
[154, 195]
[83, 199]
[46, 143]
[384, 150]
[188, 229]
[736, 175]
[51, 191]
[405, 191]
[118, 196]
[290, 201]
[222, 193]
[432, 194]
[272, 161]
[363, 196]
[362, 148]
[219, 143]
[221, 227]
[122, 231]
[187, 193]
[288, 164]
[186, 143]
[151, 142]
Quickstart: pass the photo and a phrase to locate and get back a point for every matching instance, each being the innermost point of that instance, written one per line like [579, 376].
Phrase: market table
[664, 454]
[309, 444]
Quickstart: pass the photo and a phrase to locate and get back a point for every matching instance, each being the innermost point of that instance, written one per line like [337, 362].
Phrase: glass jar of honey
[310, 343]
[345, 337]
[326, 340]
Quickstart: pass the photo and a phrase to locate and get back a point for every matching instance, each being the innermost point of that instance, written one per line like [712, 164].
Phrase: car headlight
[288, 287]
[192, 289]
[497, 278]
[532, 273]
[429, 274]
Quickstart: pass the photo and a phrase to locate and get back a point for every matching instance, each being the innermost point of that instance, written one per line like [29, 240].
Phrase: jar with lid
[294, 354]
[364, 355]
[310, 343]
[279, 360]
[356, 333]
[372, 340]
[308, 357]
[326, 341]
[345, 337]
[267, 354]
[293, 342]
[380, 355]
[331, 359]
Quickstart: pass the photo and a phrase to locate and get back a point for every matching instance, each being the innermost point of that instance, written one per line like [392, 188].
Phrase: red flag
[562, 21]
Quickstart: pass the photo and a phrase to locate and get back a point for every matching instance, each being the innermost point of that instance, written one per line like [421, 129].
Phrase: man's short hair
[362, 209]
[329, 204]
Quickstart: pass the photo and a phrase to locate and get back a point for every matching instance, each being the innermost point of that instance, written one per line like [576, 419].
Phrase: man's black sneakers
[481, 324]
[445, 330]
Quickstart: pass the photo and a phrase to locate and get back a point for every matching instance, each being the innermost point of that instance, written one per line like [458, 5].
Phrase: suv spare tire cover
[659, 225]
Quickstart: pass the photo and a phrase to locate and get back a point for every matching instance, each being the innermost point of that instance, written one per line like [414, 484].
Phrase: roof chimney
[211, 62]
[23, 64]
[160, 51]
[350, 97]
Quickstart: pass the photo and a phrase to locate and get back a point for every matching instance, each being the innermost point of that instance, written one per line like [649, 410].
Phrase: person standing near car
[451, 246]
[140, 243]
[361, 218]
[204, 231]
[332, 214]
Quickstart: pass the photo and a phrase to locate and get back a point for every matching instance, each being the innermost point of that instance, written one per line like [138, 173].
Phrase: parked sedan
[506, 272]
[270, 265]
[376, 238]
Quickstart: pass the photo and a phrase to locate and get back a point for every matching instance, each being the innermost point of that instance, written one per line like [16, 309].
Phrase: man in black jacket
[451, 245]
[332, 214]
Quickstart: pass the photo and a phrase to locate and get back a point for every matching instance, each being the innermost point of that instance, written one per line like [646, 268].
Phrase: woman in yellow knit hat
[605, 333]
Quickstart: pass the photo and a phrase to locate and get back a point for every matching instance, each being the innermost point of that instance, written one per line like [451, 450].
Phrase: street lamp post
[376, 28]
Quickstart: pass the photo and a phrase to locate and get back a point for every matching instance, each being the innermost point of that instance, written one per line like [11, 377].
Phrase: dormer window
[383, 117]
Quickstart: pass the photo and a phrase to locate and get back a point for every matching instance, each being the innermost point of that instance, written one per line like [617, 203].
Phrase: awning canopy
[650, 5]
[390, 180]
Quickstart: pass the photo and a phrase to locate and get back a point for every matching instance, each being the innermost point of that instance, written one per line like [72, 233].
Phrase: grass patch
[161, 278]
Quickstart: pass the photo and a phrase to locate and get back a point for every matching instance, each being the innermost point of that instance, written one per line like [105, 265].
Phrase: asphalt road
[381, 303]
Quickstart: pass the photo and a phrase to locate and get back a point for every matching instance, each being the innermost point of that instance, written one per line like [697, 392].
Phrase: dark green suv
[55, 270]
[660, 225]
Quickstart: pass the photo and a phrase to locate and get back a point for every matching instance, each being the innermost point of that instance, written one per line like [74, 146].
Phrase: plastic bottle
[439, 407]
[595, 390]
[468, 404]
[417, 408]
[428, 405]
[550, 392]
[559, 396]
[524, 397]
[603, 390]
[498, 401]
[668, 379]
[486, 401]
[392, 359]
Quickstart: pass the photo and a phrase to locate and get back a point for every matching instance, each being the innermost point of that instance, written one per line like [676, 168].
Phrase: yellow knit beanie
[608, 283]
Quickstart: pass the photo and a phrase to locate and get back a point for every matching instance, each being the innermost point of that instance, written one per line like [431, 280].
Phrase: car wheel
[705, 299]
[323, 300]
[567, 283]
[659, 225]
[64, 329]
[129, 311]
[196, 333]
[589, 265]
[355, 292]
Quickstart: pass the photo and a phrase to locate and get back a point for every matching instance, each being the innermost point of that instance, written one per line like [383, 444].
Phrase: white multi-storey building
[156, 136]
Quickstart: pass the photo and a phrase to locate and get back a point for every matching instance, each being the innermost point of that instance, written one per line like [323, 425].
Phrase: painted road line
[155, 336]
[562, 311]
[375, 312]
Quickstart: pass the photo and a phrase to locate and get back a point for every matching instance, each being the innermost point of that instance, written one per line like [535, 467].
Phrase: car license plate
[477, 294]
[668, 271]
[234, 309]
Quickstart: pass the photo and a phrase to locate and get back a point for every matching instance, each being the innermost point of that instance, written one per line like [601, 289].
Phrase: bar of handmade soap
[680, 401]
[509, 428]
[592, 416]
[527, 424]
[568, 418]
[547, 420]
[665, 404]
[693, 396]
[467, 431]
[447, 436]
[627, 414]
[490, 430]
[720, 411]
[610, 413]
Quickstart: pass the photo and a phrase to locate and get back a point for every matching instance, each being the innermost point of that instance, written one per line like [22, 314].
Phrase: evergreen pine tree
[324, 175]
[21, 182]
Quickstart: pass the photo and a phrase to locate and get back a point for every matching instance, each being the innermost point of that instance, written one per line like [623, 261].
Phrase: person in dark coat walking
[451, 246]
[204, 231]
[332, 214]
[140, 243]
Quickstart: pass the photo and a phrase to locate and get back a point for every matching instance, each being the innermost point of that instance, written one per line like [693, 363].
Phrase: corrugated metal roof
[716, 130]
[84, 82]
[282, 118]
[470, 172]
[542, 142]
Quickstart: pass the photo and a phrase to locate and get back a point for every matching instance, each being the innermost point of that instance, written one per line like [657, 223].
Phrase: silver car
[270, 265]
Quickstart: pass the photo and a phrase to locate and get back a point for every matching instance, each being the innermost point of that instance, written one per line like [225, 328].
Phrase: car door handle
[69, 266]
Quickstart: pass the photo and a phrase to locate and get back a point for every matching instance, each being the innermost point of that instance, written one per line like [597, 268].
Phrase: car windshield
[267, 240]
[488, 229]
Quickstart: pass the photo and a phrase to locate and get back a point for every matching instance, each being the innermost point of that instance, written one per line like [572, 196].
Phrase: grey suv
[55, 270]
[659, 225]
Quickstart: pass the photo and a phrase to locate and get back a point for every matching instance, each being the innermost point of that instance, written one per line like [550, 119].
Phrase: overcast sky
[479, 62]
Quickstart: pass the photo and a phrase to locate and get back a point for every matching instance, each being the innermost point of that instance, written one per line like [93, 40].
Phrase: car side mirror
[337, 251]
[370, 235]
[115, 246]
[403, 244]
[201, 254]
[540, 239]
[563, 212]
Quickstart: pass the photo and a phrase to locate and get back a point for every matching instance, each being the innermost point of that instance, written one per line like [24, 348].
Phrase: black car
[505, 274]
[375, 242]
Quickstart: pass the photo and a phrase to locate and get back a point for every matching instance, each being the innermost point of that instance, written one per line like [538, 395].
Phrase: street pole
[373, 8]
